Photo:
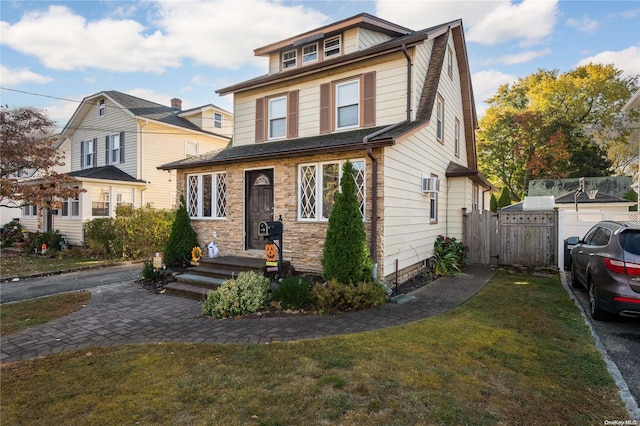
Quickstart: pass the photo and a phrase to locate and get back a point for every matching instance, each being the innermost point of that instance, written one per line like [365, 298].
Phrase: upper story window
[277, 117]
[348, 104]
[88, 151]
[102, 108]
[440, 119]
[310, 53]
[289, 59]
[456, 140]
[115, 148]
[217, 120]
[332, 46]
[450, 62]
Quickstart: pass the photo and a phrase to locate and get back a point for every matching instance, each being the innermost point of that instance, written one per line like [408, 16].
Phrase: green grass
[18, 316]
[21, 266]
[517, 353]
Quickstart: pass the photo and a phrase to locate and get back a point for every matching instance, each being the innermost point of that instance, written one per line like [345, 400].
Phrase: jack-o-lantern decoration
[271, 252]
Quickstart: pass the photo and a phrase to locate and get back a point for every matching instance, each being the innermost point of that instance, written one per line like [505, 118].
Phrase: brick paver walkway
[121, 314]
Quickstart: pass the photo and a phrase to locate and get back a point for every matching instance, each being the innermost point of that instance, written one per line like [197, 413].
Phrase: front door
[259, 205]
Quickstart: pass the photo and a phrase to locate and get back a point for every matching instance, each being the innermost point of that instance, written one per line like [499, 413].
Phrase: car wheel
[574, 278]
[594, 306]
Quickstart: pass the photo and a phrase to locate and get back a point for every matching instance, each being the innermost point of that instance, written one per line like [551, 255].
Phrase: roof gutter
[374, 164]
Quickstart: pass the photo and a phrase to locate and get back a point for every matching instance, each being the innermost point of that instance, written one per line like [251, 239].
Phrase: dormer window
[310, 53]
[102, 108]
[217, 120]
[289, 59]
[332, 46]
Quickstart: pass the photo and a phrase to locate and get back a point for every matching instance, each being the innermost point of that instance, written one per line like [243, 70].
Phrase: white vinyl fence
[576, 224]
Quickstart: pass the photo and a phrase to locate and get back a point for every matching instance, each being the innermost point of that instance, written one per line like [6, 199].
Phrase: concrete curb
[629, 401]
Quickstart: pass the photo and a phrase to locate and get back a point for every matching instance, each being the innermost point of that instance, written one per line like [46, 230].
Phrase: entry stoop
[210, 274]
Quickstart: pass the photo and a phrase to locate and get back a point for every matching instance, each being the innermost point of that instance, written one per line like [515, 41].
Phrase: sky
[55, 53]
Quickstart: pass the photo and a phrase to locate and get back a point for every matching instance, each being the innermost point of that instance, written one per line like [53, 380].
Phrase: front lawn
[21, 266]
[517, 353]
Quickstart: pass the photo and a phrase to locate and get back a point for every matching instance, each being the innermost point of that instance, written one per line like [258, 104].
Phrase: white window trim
[450, 62]
[69, 202]
[215, 196]
[102, 108]
[456, 140]
[325, 49]
[309, 61]
[338, 106]
[270, 118]
[319, 185]
[112, 149]
[440, 118]
[88, 151]
[293, 60]
[217, 123]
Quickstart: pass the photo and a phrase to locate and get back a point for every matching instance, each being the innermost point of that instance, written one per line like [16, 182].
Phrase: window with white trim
[318, 183]
[88, 157]
[207, 195]
[289, 59]
[29, 211]
[475, 197]
[456, 139]
[101, 206]
[102, 108]
[440, 119]
[277, 117]
[332, 46]
[70, 207]
[310, 53]
[450, 62]
[217, 120]
[115, 148]
[347, 104]
[433, 205]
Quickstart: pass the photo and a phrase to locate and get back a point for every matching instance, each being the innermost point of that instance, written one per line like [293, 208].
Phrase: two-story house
[114, 143]
[396, 103]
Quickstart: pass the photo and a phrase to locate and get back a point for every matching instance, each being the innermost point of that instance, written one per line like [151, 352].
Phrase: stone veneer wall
[303, 242]
[404, 274]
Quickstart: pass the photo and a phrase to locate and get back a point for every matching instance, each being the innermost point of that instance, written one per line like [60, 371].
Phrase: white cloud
[522, 57]
[486, 83]
[485, 22]
[197, 30]
[585, 24]
[61, 111]
[627, 60]
[15, 77]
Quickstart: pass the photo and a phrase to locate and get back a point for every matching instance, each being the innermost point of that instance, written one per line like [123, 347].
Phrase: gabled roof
[105, 173]
[137, 107]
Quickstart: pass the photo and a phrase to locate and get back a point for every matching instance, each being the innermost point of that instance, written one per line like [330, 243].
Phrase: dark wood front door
[259, 205]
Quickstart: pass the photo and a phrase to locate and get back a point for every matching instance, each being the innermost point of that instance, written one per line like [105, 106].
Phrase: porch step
[211, 273]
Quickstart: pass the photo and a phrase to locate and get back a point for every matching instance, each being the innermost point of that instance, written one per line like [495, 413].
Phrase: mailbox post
[272, 230]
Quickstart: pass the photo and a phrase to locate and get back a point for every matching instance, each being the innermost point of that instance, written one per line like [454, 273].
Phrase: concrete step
[190, 291]
[210, 283]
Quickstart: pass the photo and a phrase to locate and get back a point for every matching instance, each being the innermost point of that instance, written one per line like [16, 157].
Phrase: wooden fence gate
[512, 238]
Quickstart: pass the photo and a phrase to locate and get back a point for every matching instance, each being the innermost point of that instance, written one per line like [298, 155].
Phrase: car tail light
[622, 267]
[626, 299]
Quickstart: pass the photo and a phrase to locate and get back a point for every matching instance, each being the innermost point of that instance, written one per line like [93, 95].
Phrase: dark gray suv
[607, 263]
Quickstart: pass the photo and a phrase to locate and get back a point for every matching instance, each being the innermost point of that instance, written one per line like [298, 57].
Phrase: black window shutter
[82, 165]
[121, 147]
[95, 152]
[106, 150]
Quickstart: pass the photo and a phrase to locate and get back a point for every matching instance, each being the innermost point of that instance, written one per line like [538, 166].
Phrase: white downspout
[142, 124]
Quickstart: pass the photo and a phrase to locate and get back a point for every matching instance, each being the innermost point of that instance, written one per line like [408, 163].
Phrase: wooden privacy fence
[512, 238]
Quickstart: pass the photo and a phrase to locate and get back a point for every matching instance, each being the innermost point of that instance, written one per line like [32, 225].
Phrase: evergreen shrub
[243, 295]
[334, 296]
[293, 293]
[182, 238]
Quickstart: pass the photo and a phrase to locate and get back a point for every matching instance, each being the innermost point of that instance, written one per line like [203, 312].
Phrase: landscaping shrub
[243, 295]
[449, 255]
[293, 292]
[182, 238]
[51, 239]
[346, 256]
[101, 236]
[505, 199]
[493, 203]
[12, 233]
[334, 296]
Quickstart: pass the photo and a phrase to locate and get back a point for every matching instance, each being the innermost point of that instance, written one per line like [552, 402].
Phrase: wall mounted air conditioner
[430, 184]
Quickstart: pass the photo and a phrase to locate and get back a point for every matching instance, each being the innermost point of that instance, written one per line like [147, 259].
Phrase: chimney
[176, 103]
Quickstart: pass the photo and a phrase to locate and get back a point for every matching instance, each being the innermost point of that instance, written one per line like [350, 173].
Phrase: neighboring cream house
[114, 144]
[397, 103]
